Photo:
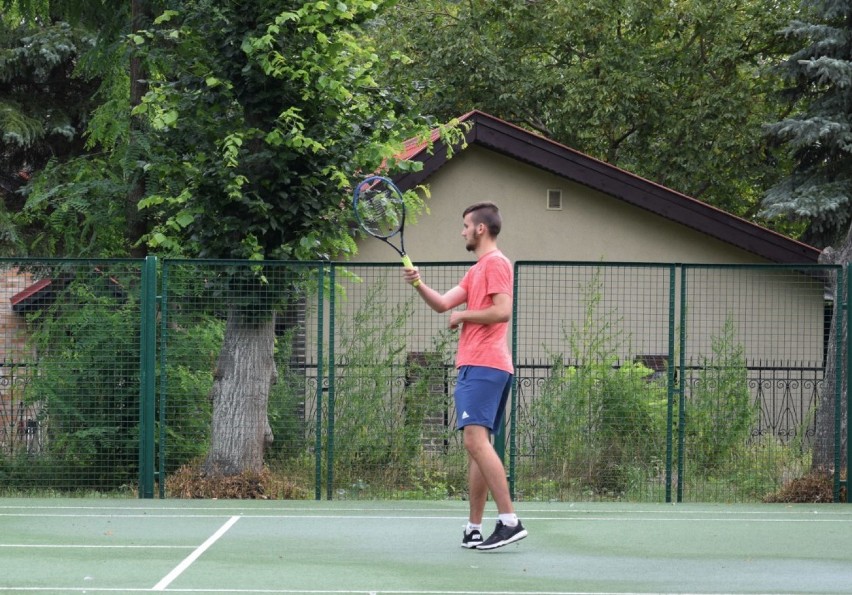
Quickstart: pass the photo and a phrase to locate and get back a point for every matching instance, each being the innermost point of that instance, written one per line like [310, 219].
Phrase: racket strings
[380, 212]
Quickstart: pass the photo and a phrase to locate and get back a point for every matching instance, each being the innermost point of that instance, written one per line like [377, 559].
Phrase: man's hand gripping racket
[380, 210]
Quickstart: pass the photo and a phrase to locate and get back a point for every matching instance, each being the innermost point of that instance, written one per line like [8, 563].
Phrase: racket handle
[406, 262]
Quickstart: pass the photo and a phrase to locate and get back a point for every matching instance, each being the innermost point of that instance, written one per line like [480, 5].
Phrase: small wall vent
[554, 200]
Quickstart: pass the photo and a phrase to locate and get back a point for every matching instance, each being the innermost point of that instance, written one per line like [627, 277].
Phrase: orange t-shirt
[485, 344]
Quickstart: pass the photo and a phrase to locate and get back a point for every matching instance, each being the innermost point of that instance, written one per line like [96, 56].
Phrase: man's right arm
[439, 302]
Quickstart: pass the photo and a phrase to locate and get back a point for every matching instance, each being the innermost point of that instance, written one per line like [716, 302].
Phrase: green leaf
[184, 219]
[165, 17]
[169, 117]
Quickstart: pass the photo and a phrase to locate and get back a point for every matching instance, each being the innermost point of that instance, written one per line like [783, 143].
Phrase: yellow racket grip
[406, 262]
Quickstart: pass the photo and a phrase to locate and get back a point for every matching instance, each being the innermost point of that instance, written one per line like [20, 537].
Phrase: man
[484, 369]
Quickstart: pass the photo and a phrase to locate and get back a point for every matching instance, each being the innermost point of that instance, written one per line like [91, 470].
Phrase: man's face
[470, 233]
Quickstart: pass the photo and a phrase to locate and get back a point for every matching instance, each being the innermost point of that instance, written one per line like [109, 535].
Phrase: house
[560, 204]
[17, 417]
[569, 217]
[23, 293]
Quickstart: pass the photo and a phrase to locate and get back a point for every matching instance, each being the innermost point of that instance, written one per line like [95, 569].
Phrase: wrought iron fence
[640, 382]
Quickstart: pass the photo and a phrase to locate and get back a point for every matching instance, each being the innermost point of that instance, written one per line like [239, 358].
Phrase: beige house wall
[590, 227]
[777, 316]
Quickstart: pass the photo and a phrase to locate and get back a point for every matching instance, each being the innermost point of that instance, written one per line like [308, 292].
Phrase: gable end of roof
[510, 140]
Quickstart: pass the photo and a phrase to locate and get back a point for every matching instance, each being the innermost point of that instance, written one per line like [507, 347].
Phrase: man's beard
[473, 243]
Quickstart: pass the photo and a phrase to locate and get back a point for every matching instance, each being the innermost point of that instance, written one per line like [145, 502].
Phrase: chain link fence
[634, 382]
[69, 378]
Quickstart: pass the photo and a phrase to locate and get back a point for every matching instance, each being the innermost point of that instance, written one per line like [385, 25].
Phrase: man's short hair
[487, 213]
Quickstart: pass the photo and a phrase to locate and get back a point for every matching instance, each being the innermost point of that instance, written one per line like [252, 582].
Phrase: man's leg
[477, 492]
[487, 468]
[485, 473]
[477, 498]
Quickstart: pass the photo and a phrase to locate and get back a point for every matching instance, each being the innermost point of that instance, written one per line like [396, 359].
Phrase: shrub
[378, 418]
[596, 422]
[719, 414]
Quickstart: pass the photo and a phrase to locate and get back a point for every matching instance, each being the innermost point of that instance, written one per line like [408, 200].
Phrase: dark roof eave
[507, 139]
[25, 299]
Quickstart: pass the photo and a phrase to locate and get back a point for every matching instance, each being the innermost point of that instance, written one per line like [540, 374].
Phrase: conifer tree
[819, 131]
[44, 109]
[819, 135]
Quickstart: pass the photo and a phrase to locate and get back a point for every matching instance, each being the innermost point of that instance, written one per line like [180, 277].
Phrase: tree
[44, 109]
[68, 203]
[669, 90]
[819, 135]
[819, 191]
[255, 117]
[260, 114]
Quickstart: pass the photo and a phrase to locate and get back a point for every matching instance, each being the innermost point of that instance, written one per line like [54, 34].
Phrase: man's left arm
[499, 311]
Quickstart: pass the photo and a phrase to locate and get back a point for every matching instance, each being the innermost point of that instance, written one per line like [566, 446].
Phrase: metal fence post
[848, 296]
[330, 427]
[147, 362]
[514, 395]
[838, 379]
[320, 373]
[681, 389]
[670, 384]
[163, 391]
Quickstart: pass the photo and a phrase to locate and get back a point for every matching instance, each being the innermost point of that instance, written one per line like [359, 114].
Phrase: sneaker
[503, 535]
[471, 540]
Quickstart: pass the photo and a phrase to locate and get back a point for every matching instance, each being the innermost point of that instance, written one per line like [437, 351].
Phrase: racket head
[379, 207]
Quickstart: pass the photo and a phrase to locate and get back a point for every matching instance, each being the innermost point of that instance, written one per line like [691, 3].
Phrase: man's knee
[476, 438]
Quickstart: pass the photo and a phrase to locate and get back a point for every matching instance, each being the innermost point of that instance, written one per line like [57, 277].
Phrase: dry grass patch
[190, 482]
[816, 487]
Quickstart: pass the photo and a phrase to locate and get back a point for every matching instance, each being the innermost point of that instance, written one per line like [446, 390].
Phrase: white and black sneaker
[471, 540]
[503, 535]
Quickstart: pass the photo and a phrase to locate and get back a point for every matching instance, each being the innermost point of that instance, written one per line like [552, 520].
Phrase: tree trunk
[244, 376]
[136, 226]
[824, 443]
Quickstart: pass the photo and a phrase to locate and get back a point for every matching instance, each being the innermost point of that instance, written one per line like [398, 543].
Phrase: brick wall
[14, 417]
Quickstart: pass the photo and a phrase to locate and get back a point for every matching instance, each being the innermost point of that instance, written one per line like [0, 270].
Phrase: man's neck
[485, 247]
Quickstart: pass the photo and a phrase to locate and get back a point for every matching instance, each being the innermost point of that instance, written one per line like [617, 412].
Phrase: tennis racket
[380, 210]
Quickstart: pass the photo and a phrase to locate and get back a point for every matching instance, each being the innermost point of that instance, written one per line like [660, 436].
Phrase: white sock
[472, 527]
[510, 519]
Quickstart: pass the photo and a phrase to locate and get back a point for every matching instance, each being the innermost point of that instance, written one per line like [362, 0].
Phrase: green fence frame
[842, 281]
[150, 472]
[100, 300]
[148, 380]
[154, 299]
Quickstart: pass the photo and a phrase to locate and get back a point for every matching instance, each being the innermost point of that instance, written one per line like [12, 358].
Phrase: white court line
[728, 518]
[358, 592]
[110, 516]
[674, 509]
[82, 546]
[178, 570]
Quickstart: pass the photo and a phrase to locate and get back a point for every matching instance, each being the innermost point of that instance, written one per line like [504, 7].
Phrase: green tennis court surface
[193, 546]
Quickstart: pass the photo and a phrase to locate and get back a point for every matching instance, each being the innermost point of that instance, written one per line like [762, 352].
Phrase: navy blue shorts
[481, 395]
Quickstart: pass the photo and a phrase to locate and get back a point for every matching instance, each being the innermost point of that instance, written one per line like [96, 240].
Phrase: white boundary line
[75, 546]
[178, 570]
[839, 510]
[358, 592]
[655, 517]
